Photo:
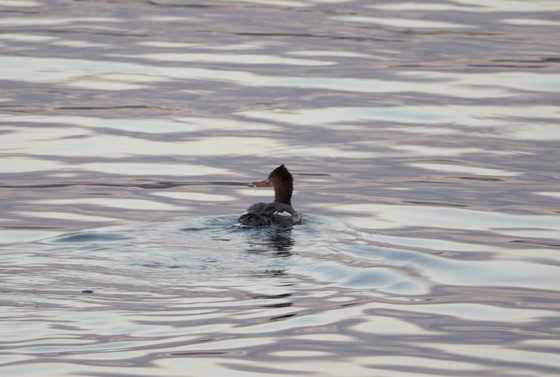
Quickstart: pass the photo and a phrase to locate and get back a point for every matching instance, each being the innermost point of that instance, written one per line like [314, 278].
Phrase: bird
[280, 211]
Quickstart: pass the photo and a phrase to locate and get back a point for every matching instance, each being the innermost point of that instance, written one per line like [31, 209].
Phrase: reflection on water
[322, 291]
[423, 138]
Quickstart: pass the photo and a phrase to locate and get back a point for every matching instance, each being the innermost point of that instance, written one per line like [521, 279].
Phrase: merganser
[278, 212]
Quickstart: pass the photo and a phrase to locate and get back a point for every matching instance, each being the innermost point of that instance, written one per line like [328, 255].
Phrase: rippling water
[424, 139]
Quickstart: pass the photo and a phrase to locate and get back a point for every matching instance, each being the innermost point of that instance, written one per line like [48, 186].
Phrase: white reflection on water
[283, 3]
[22, 165]
[19, 3]
[530, 22]
[81, 44]
[72, 72]
[197, 196]
[66, 216]
[425, 6]
[468, 85]
[21, 37]
[15, 21]
[120, 146]
[230, 58]
[151, 126]
[113, 202]
[22, 236]
[16, 137]
[549, 82]
[511, 5]
[465, 169]
[144, 168]
[543, 127]
[327, 53]
[401, 22]
[423, 150]
[477, 312]
[553, 194]
[527, 356]
[477, 6]
[457, 218]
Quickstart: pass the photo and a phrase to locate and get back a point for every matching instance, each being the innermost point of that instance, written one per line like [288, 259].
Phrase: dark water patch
[91, 238]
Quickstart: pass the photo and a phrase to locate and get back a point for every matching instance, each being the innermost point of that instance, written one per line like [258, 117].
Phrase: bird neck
[283, 193]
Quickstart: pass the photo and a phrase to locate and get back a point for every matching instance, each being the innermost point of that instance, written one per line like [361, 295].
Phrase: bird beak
[264, 183]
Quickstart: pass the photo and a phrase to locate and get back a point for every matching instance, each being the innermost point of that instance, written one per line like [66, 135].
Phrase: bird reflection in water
[275, 241]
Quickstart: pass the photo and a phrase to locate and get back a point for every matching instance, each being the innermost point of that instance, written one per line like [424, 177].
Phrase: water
[423, 138]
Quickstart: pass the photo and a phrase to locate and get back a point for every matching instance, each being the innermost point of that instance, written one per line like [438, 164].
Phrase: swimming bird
[278, 212]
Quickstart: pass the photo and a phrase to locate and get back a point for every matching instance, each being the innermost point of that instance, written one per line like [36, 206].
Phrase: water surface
[423, 138]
